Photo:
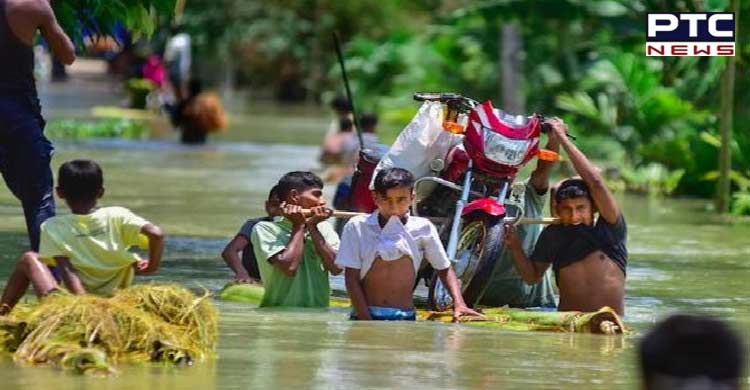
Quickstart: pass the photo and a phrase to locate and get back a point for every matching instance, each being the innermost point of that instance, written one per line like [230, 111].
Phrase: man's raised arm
[603, 198]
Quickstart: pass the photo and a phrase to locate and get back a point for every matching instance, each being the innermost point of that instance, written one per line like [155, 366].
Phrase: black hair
[176, 29]
[274, 192]
[297, 180]
[195, 87]
[571, 189]
[346, 125]
[390, 178]
[80, 180]
[368, 122]
[341, 104]
[684, 347]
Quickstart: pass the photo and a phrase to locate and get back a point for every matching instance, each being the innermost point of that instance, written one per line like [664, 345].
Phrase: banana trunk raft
[90, 334]
[605, 321]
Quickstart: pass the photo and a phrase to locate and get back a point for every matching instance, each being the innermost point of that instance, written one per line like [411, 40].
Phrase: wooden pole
[339, 53]
[726, 122]
[524, 220]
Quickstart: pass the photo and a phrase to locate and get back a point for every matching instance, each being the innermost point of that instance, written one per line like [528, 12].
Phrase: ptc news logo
[693, 34]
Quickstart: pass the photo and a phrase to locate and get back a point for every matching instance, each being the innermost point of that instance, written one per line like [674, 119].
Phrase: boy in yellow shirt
[90, 247]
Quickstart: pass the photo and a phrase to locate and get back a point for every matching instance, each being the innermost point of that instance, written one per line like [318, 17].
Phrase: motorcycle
[473, 184]
[465, 192]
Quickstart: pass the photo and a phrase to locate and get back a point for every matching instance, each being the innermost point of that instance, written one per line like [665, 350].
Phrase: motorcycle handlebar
[445, 97]
[546, 127]
[463, 103]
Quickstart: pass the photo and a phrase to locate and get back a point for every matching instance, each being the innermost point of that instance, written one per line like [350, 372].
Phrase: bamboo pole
[524, 220]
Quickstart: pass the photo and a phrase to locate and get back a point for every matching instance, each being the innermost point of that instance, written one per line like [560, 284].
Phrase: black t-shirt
[248, 254]
[563, 245]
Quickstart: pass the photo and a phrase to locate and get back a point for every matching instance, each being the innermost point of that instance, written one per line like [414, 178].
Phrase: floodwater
[681, 259]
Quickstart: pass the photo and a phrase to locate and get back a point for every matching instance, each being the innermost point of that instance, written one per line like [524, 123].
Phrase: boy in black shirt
[589, 257]
[246, 268]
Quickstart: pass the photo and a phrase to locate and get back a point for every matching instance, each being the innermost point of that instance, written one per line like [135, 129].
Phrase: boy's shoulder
[421, 221]
[119, 214]
[56, 221]
[265, 228]
[421, 226]
[359, 219]
[113, 210]
[358, 222]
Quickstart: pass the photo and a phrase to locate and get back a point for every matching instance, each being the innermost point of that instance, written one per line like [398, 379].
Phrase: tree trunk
[726, 122]
[511, 68]
[316, 55]
[230, 75]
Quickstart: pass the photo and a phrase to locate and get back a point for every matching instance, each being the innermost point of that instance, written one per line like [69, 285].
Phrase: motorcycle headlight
[504, 150]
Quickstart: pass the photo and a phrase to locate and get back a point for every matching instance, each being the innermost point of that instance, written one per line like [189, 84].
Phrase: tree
[80, 18]
[726, 122]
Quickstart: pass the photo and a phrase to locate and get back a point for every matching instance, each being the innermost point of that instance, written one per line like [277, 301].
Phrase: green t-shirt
[506, 286]
[309, 286]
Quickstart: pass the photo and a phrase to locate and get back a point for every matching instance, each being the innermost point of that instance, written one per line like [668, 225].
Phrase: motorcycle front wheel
[480, 244]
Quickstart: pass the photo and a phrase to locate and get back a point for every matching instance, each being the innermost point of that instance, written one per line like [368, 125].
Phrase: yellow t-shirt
[97, 245]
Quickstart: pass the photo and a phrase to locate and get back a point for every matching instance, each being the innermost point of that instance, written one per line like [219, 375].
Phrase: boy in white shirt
[382, 251]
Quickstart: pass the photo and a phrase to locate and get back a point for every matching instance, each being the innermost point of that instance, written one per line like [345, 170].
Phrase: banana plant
[101, 17]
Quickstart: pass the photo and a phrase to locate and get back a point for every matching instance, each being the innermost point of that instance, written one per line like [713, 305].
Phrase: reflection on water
[679, 261]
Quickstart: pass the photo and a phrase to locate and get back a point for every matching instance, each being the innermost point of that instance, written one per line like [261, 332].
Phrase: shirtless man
[24, 150]
[381, 253]
[589, 257]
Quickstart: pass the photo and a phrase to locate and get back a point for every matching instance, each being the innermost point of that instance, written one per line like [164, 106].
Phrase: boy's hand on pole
[293, 213]
[318, 215]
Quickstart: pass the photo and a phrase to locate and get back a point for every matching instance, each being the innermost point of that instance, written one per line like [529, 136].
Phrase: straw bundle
[87, 333]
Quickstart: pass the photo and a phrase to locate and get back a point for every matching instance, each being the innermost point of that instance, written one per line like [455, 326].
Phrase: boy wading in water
[90, 247]
[588, 256]
[246, 267]
[382, 251]
[295, 254]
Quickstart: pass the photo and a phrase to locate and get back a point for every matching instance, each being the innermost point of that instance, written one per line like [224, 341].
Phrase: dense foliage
[654, 118]
[80, 18]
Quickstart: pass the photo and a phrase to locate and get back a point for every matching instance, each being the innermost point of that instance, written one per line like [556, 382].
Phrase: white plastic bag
[422, 141]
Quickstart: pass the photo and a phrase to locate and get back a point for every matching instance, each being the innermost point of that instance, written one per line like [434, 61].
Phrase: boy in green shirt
[90, 247]
[296, 253]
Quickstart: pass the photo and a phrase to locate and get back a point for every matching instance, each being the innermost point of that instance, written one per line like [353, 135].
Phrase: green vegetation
[584, 61]
[102, 17]
[656, 119]
[104, 128]
[138, 90]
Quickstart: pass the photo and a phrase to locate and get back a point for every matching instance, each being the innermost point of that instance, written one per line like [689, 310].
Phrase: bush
[106, 128]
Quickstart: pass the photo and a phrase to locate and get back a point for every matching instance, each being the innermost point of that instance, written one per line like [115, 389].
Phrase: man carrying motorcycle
[506, 286]
[588, 256]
